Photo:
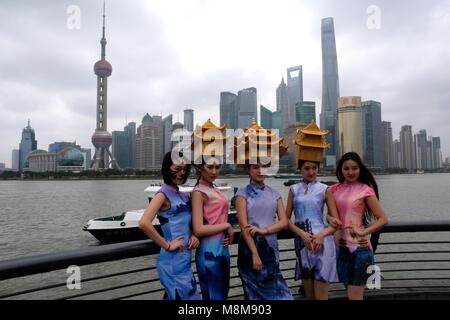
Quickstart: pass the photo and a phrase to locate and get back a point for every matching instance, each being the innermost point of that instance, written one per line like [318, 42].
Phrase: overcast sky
[171, 55]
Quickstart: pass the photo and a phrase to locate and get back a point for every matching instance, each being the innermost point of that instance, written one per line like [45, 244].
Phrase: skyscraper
[350, 126]
[124, 146]
[305, 112]
[165, 134]
[407, 156]
[397, 154]
[283, 105]
[247, 107]
[228, 110]
[266, 117]
[189, 119]
[420, 149]
[270, 119]
[330, 85]
[437, 153]
[15, 160]
[373, 139]
[148, 143]
[102, 139]
[28, 143]
[294, 90]
[388, 145]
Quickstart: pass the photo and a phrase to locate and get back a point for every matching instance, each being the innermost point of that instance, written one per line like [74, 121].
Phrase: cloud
[166, 60]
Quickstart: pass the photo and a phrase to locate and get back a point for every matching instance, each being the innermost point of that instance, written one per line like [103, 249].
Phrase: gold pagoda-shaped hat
[257, 145]
[208, 141]
[310, 143]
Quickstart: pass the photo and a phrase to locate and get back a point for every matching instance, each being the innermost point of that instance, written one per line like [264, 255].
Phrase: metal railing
[414, 259]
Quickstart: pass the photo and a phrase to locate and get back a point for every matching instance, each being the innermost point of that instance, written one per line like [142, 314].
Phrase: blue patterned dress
[267, 283]
[174, 267]
[308, 211]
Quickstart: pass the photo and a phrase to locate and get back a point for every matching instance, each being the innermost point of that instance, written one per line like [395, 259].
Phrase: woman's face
[309, 171]
[210, 170]
[350, 170]
[258, 173]
[178, 171]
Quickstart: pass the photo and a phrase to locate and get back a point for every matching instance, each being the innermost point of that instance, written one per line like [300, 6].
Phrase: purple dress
[268, 283]
[308, 201]
[174, 267]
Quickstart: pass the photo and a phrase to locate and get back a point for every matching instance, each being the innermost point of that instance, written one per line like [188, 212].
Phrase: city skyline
[162, 66]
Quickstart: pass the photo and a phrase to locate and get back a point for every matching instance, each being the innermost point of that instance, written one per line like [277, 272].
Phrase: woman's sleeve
[369, 192]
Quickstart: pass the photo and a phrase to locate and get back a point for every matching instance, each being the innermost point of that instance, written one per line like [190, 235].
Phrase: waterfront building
[15, 160]
[228, 110]
[436, 153]
[165, 134]
[373, 139]
[28, 143]
[305, 112]
[294, 91]
[247, 107]
[148, 143]
[270, 119]
[397, 155]
[189, 119]
[67, 159]
[330, 86]
[388, 145]
[407, 158]
[350, 125]
[422, 155]
[283, 104]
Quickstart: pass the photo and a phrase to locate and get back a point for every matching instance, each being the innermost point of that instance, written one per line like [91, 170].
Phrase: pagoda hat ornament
[310, 144]
[208, 141]
[257, 145]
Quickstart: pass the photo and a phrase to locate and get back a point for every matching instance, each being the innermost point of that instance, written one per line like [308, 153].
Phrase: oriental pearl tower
[102, 139]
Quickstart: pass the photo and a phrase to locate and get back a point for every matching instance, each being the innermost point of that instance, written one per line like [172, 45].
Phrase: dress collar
[205, 183]
[310, 183]
[257, 186]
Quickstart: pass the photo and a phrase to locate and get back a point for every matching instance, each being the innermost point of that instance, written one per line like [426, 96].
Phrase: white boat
[124, 226]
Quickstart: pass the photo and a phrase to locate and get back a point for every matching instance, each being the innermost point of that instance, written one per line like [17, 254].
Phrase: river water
[47, 216]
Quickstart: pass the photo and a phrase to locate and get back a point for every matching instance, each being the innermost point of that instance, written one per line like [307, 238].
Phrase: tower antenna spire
[103, 40]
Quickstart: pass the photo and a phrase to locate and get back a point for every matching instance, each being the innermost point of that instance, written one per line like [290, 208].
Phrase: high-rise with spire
[330, 86]
[283, 105]
[28, 143]
[102, 139]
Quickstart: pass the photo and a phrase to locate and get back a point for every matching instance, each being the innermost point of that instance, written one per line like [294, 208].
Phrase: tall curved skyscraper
[330, 85]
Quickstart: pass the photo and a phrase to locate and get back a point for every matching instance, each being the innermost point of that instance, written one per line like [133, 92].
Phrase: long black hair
[168, 177]
[365, 176]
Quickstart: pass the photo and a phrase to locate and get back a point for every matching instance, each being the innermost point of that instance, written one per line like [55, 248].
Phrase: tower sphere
[101, 139]
[102, 68]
